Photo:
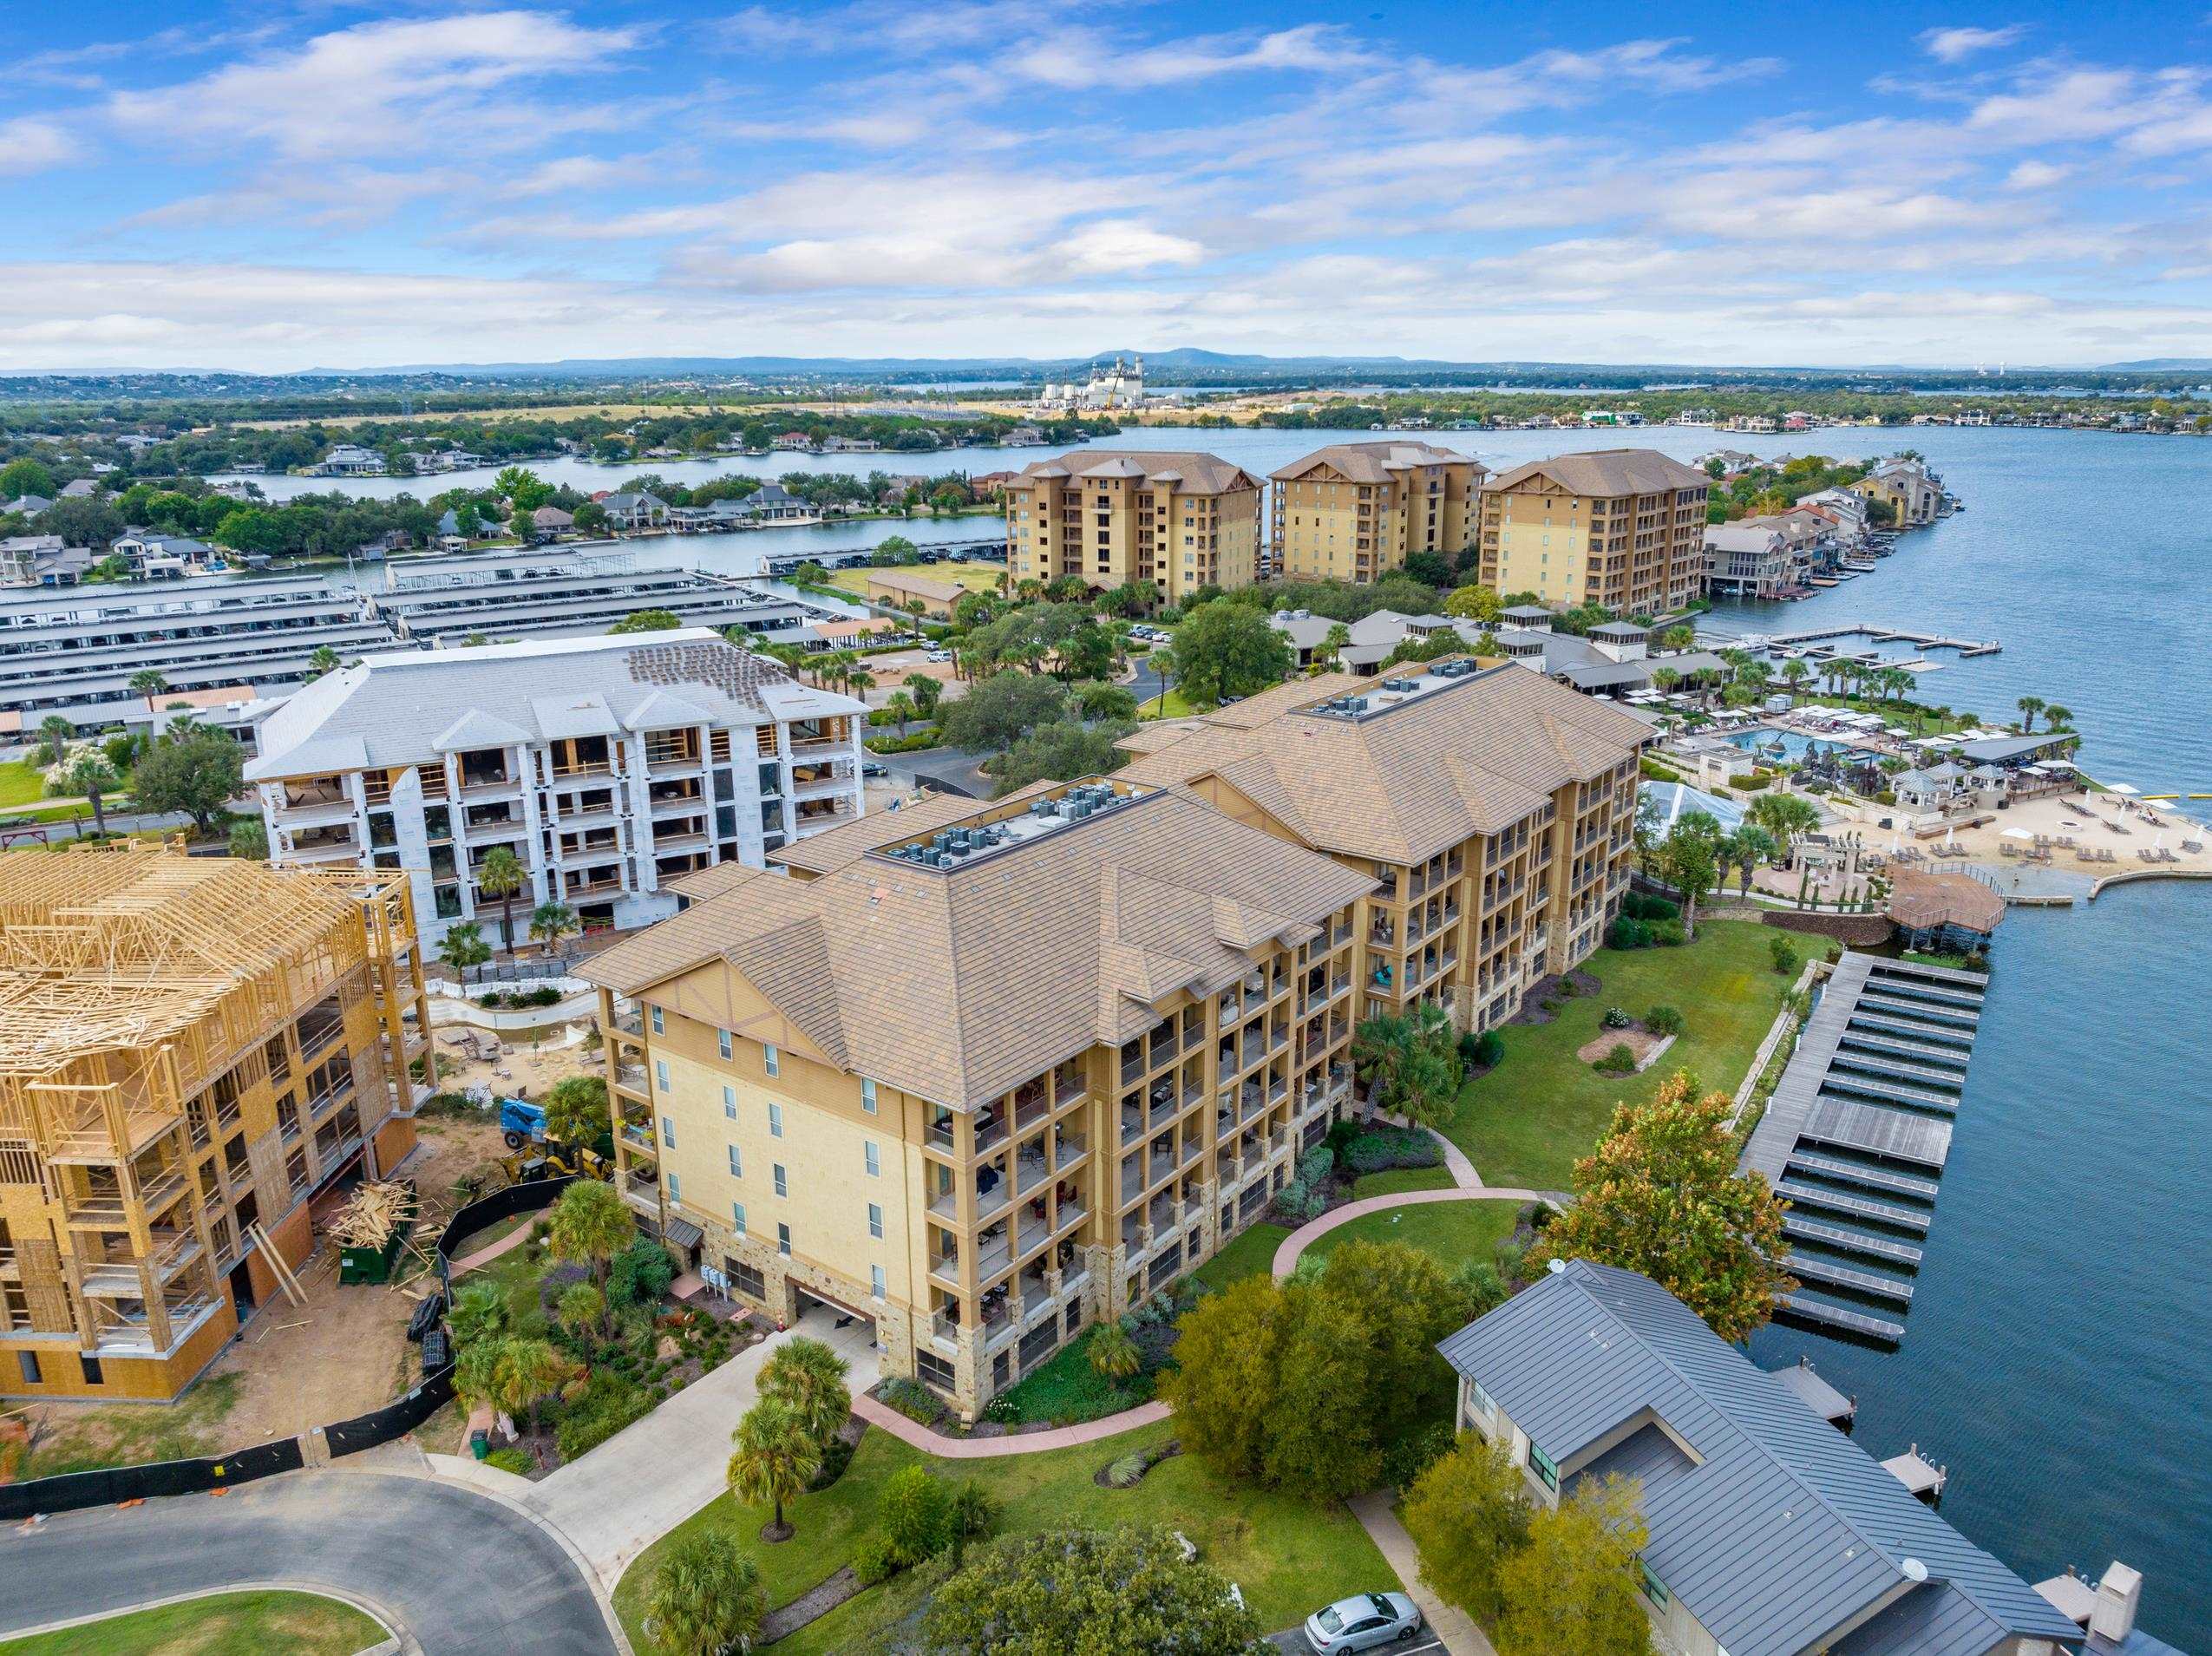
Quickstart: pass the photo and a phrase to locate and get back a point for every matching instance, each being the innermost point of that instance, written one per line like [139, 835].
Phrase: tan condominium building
[1355, 511]
[983, 1075]
[1492, 808]
[1175, 520]
[190, 1047]
[1624, 527]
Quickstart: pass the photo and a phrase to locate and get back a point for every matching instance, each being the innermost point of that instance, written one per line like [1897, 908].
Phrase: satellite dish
[1915, 1570]
[1556, 1267]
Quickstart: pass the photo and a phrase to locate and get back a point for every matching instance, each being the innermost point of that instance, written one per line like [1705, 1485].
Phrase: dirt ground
[1645, 1045]
[345, 1351]
[530, 1072]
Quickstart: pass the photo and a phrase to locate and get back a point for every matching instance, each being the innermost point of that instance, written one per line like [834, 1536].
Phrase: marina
[1858, 1132]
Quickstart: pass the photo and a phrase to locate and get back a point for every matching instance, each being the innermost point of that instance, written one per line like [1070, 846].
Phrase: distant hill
[2164, 365]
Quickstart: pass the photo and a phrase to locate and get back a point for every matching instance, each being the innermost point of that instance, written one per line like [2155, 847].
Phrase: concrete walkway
[1450, 1623]
[932, 1442]
[632, 1490]
[1299, 1241]
[506, 1244]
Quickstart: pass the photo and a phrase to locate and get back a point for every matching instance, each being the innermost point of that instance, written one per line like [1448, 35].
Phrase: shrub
[1619, 1062]
[1665, 1020]
[1615, 1017]
[610, 1403]
[911, 1398]
[640, 1274]
[874, 1558]
[836, 1456]
[1640, 905]
[1784, 954]
[1391, 1147]
[914, 1514]
[515, 1458]
[1669, 934]
[1626, 933]
[1489, 1050]
[1127, 1469]
[1569, 989]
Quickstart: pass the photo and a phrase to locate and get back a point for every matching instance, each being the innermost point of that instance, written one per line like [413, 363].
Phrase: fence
[498, 971]
[71, 1491]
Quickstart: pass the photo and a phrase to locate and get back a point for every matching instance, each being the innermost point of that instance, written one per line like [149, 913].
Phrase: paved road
[460, 1573]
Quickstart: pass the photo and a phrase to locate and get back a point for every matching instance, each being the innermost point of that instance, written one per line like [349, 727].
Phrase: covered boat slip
[1857, 1133]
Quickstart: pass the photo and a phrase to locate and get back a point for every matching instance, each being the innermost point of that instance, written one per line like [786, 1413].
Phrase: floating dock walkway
[1884, 635]
[1856, 1136]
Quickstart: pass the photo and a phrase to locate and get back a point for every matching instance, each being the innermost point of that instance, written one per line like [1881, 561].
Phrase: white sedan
[1362, 1622]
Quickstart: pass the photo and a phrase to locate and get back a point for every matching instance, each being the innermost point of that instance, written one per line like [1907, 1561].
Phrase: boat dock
[780, 564]
[1857, 1136]
[1885, 635]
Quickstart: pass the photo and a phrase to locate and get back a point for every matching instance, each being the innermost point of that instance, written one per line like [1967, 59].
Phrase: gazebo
[1943, 913]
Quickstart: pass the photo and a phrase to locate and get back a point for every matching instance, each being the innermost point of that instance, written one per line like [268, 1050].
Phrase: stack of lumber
[373, 1214]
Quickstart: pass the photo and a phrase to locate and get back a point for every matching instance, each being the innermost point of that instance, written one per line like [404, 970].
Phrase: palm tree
[550, 922]
[55, 734]
[589, 1226]
[149, 683]
[1332, 645]
[900, 707]
[323, 660]
[2055, 718]
[705, 1595]
[808, 1375]
[927, 693]
[1794, 675]
[776, 1458]
[858, 683]
[2029, 706]
[1113, 1353]
[501, 876]
[94, 777]
[1664, 680]
[1164, 664]
[463, 947]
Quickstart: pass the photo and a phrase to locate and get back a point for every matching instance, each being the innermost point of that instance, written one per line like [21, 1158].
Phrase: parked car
[1362, 1622]
[873, 767]
[940, 655]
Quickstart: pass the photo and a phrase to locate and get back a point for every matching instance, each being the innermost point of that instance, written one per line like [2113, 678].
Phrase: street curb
[401, 1643]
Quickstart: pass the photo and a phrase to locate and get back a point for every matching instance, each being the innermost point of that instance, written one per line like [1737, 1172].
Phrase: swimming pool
[1791, 745]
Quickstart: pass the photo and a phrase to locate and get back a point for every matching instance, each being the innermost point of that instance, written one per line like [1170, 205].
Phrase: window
[659, 1028]
[1654, 1589]
[737, 1163]
[1484, 1404]
[660, 1074]
[875, 1220]
[1541, 1464]
[867, 1095]
[675, 1189]
[729, 1103]
[771, 1059]
[91, 1366]
[875, 1280]
[782, 1185]
[27, 1362]
[737, 1217]
[668, 1132]
[722, 1038]
[784, 1240]
[775, 1121]
[873, 1159]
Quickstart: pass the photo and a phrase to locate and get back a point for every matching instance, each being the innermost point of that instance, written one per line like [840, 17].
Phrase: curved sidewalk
[1299, 1241]
[932, 1442]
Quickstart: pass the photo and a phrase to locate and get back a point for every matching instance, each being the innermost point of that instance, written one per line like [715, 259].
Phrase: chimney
[2118, 1595]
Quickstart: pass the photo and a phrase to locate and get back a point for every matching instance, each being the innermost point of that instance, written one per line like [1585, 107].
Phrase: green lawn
[21, 783]
[1288, 1555]
[1173, 705]
[230, 1623]
[1453, 1231]
[1067, 1391]
[87, 1437]
[1526, 1120]
[1393, 1182]
[977, 578]
[515, 1273]
[1250, 1252]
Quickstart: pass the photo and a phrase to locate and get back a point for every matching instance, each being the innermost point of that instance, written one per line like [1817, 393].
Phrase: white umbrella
[2118, 788]
[2018, 834]
[1949, 833]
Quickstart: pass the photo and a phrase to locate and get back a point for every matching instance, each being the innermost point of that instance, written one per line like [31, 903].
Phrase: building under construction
[190, 1047]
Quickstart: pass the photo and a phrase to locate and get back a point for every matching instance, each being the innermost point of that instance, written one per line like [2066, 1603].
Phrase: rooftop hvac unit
[1355, 703]
[1397, 683]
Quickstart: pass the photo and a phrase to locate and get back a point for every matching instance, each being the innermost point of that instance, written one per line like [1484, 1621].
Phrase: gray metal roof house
[1771, 1533]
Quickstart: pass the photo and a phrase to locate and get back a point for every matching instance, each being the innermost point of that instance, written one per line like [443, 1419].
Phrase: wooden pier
[1919, 1475]
[1856, 1136]
[1821, 1397]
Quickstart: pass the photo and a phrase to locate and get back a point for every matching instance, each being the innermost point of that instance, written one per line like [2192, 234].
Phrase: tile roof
[1604, 473]
[833, 848]
[1192, 471]
[1471, 758]
[405, 707]
[1783, 1530]
[959, 983]
[1375, 462]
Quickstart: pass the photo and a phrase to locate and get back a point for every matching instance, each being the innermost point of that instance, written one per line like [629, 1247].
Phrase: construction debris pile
[373, 1215]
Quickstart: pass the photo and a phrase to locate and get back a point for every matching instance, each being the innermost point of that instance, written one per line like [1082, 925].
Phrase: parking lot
[1294, 1643]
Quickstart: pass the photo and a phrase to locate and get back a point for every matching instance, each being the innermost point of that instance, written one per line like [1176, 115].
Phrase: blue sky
[285, 185]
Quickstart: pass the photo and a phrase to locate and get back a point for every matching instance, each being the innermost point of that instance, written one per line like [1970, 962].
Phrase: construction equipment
[521, 1122]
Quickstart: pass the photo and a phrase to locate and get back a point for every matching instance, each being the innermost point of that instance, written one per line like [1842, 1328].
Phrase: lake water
[2060, 1341]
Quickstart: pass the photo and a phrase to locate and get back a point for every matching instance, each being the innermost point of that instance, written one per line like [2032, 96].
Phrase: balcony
[1071, 1148]
[945, 1326]
[994, 1252]
[990, 1130]
[639, 1136]
[945, 1268]
[322, 844]
[313, 807]
[630, 1078]
[1031, 1167]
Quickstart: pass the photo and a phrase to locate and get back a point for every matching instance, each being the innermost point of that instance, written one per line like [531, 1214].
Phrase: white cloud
[2036, 175]
[1080, 57]
[396, 85]
[29, 144]
[1953, 45]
